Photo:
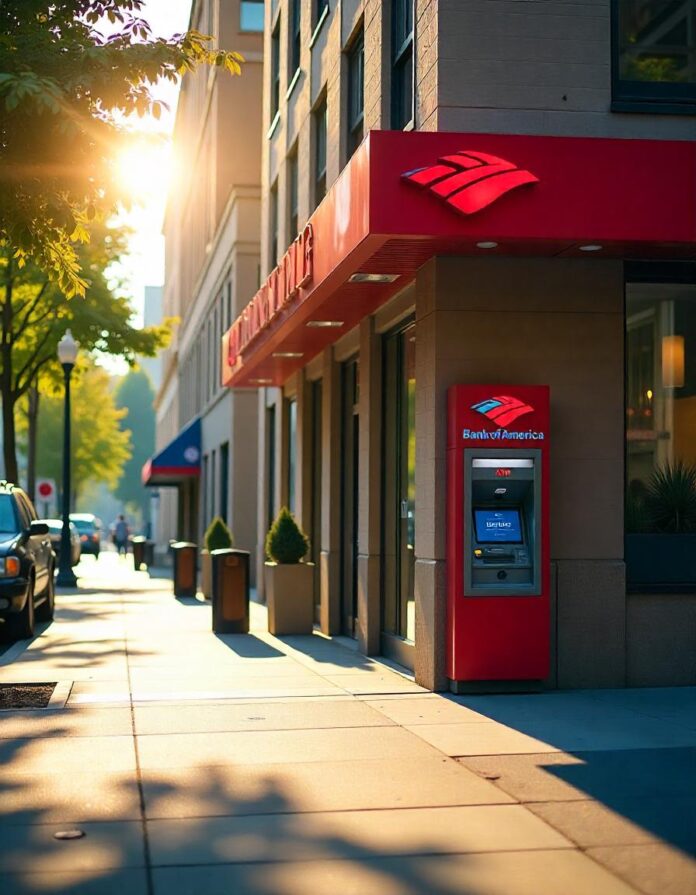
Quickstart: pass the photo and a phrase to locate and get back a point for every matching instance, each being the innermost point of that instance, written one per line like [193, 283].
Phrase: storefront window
[655, 51]
[292, 453]
[660, 408]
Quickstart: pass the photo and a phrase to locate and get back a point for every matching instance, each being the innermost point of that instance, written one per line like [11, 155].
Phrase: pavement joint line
[149, 881]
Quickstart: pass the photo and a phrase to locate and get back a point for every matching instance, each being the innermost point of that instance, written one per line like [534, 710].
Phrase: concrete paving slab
[90, 795]
[55, 672]
[365, 683]
[321, 835]
[478, 738]
[512, 873]
[66, 723]
[210, 749]
[95, 882]
[655, 869]
[426, 711]
[276, 716]
[628, 821]
[66, 755]
[106, 846]
[601, 775]
[314, 786]
[673, 704]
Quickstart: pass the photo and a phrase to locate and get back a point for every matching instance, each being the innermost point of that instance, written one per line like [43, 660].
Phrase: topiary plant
[286, 543]
[218, 536]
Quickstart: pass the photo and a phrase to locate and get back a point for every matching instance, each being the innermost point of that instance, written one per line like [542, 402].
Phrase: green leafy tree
[71, 71]
[134, 395]
[34, 314]
[99, 445]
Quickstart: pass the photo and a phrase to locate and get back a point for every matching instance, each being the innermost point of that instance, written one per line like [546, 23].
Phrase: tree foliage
[70, 71]
[134, 396]
[34, 315]
[99, 446]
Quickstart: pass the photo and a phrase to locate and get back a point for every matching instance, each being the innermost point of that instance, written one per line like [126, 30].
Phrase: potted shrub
[289, 580]
[217, 537]
[661, 529]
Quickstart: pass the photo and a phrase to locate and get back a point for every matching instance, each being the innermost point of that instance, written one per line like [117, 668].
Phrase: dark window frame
[294, 38]
[273, 225]
[645, 96]
[318, 11]
[293, 184]
[355, 118]
[275, 70]
[321, 126]
[402, 61]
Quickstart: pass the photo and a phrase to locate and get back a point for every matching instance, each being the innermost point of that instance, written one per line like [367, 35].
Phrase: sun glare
[145, 171]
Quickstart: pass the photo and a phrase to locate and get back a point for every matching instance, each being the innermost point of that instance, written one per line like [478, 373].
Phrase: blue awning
[179, 461]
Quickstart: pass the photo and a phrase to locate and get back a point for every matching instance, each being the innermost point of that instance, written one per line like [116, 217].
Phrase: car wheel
[21, 625]
[44, 612]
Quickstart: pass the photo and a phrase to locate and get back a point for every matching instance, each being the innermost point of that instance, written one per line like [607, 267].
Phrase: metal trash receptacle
[149, 554]
[230, 596]
[138, 547]
[185, 573]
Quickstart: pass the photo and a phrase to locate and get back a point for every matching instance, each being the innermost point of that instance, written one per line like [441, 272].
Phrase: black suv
[27, 562]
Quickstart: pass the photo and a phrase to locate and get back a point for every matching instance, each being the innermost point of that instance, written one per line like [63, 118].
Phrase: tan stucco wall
[555, 322]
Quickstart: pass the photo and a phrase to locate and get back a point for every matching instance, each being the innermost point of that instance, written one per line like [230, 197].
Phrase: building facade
[206, 435]
[529, 218]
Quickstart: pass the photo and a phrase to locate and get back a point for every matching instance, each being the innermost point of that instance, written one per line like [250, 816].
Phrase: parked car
[89, 529]
[27, 562]
[55, 532]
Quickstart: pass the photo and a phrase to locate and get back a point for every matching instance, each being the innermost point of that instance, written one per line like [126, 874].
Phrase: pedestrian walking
[121, 532]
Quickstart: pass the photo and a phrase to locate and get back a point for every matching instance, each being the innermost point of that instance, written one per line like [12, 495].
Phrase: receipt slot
[498, 536]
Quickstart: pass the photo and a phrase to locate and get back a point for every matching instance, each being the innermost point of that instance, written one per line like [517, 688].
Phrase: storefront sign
[294, 271]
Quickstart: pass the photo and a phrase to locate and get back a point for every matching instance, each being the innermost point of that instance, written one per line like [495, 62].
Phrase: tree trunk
[9, 438]
[32, 420]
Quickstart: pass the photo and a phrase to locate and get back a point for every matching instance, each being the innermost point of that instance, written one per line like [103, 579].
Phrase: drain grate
[26, 696]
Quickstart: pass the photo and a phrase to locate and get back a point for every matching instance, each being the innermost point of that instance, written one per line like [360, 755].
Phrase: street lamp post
[67, 355]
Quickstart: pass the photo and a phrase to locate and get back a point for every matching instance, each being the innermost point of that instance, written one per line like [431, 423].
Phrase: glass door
[399, 495]
[350, 429]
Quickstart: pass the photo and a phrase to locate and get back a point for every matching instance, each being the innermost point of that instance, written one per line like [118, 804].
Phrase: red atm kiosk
[498, 536]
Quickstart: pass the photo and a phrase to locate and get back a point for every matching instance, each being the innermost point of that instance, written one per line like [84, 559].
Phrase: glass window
[275, 70]
[356, 81]
[402, 63]
[293, 197]
[292, 453]
[320, 137]
[224, 479]
[319, 8]
[251, 15]
[8, 517]
[654, 51]
[294, 55]
[660, 407]
[273, 224]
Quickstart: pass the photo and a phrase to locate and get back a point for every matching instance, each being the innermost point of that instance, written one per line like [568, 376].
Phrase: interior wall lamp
[673, 361]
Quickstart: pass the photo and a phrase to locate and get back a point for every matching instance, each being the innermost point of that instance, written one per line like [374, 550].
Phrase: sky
[145, 264]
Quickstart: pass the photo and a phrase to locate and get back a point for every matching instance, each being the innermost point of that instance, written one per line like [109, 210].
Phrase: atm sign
[503, 473]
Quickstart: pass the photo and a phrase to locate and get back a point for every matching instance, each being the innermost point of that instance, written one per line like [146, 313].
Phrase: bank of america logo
[470, 181]
[502, 410]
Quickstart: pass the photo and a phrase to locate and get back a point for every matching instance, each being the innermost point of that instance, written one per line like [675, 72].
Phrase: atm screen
[498, 526]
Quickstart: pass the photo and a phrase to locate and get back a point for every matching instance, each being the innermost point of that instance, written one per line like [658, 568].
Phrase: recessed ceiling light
[591, 248]
[324, 324]
[487, 245]
[261, 381]
[288, 354]
[373, 278]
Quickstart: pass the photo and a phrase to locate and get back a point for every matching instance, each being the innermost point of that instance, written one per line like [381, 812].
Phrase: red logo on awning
[470, 181]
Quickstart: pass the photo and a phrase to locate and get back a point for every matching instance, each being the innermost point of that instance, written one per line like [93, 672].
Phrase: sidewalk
[248, 765]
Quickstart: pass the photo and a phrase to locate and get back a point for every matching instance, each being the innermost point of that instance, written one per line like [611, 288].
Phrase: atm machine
[498, 538]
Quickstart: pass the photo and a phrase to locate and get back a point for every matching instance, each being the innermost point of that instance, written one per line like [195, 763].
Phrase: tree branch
[23, 325]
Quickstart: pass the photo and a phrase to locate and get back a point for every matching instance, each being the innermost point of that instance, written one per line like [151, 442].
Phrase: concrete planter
[290, 597]
[206, 574]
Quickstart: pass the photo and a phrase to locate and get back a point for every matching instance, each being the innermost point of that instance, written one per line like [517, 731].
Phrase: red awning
[406, 197]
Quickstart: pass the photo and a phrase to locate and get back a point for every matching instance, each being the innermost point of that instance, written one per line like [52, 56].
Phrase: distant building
[206, 443]
[152, 315]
